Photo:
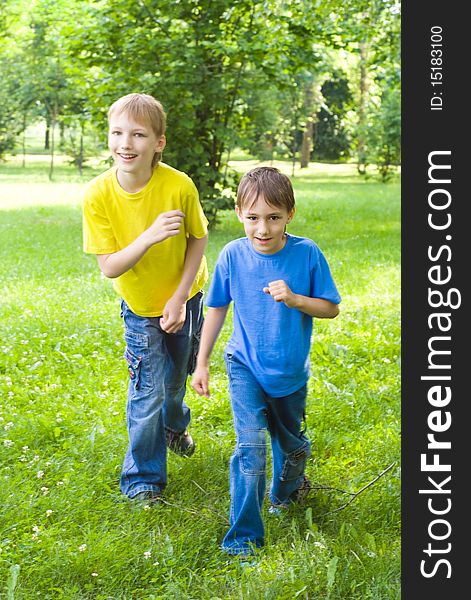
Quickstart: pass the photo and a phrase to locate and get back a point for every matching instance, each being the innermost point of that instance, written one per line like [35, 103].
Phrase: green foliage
[374, 27]
[12, 108]
[384, 132]
[7, 128]
[331, 138]
[233, 51]
[67, 532]
[230, 75]
[78, 141]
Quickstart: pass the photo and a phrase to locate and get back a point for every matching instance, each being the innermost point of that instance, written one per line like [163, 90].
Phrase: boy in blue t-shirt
[278, 283]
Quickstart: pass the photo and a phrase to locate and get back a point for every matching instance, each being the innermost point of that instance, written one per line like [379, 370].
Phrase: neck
[133, 182]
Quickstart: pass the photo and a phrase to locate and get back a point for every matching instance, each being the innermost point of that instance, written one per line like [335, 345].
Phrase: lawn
[66, 531]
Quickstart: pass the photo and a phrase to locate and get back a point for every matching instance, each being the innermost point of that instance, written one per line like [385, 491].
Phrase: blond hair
[143, 108]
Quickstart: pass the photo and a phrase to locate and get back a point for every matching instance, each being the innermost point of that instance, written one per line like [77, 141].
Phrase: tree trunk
[312, 103]
[61, 134]
[293, 156]
[361, 157]
[23, 141]
[306, 147]
[51, 164]
[47, 133]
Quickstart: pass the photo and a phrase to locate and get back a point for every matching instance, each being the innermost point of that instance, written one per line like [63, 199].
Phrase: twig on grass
[331, 489]
[353, 494]
[199, 487]
[320, 487]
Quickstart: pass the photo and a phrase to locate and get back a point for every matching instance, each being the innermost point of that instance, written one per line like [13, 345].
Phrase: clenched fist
[166, 225]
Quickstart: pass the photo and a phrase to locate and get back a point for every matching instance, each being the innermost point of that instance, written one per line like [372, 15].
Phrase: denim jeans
[254, 414]
[158, 366]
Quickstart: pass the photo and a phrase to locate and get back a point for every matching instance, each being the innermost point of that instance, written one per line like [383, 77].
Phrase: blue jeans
[254, 414]
[158, 366]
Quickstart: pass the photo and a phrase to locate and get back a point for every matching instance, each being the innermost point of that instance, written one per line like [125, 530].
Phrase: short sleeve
[196, 222]
[322, 282]
[219, 293]
[98, 237]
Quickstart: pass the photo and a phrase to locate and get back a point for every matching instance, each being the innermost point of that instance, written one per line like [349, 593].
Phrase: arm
[166, 225]
[213, 322]
[314, 307]
[174, 313]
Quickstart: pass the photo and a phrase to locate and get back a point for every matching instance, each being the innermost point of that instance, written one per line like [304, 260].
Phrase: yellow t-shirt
[113, 218]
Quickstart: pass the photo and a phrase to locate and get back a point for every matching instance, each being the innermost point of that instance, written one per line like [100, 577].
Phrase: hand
[280, 292]
[166, 225]
[174, 315]
[200, 381]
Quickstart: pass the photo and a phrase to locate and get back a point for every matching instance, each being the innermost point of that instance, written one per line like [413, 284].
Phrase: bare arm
[314, 307]
[174, 313]
[194, 253]
[166, 225]
[213, 322]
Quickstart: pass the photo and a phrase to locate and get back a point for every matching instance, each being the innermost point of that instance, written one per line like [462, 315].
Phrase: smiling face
[264, 224]
[133, 144]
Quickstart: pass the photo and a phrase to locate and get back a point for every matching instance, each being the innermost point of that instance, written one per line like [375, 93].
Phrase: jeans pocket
[295, 464]
[136, 356]
[228, 362]
[196, 319]
[134, 367]
[194, 348]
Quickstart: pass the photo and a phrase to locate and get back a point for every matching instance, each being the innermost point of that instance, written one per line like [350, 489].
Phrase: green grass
[65, 530]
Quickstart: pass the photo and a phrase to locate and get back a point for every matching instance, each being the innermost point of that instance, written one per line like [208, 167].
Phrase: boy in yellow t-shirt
[143, 220]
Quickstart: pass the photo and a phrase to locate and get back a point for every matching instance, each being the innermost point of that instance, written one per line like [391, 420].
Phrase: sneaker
[277, 509]
[147, 497]
[298, 496]
[180, 443]
[302, 492]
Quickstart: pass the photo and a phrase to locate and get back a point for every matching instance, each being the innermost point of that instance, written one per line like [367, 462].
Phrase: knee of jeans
[252, 451]
[295, 462]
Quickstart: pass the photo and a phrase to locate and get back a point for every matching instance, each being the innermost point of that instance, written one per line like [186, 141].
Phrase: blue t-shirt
[272, 340]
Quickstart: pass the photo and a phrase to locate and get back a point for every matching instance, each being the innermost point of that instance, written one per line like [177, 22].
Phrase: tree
[374, 28]
[383, 138]
[202, 59]
[42, 52]
[331, 138]
[36, 80]
[313, 101]
[229, 73]
[11, 107]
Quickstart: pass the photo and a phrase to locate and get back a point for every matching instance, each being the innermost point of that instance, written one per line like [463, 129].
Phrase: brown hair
[144, 109]
[268, 183]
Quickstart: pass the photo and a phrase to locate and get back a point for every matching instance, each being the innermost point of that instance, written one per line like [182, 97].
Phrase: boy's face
[264, 225]
[132, 144]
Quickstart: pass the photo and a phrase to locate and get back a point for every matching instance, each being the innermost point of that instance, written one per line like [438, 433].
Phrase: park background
[310, 87]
